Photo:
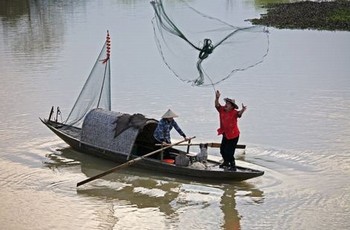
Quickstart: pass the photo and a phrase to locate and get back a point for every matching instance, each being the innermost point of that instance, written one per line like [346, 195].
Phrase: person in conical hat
[169, 114]
[165, 125]
[229, 130]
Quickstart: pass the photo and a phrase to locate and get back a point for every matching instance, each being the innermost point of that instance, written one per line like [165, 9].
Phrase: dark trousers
[227, 150]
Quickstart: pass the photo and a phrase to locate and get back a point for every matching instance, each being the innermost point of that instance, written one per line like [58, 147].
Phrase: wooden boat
[120, 137]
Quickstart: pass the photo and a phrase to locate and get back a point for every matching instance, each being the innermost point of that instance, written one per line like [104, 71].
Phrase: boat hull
[214, 173]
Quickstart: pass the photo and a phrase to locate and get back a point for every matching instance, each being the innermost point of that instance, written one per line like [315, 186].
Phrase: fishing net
[203, 50]
[96, 90]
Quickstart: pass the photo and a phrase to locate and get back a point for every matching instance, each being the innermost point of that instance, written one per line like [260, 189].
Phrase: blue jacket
[162, 132]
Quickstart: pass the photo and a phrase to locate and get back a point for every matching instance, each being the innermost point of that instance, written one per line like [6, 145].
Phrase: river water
[296, 128]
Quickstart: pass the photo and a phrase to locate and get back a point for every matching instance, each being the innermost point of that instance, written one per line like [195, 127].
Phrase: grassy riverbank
[334, 15]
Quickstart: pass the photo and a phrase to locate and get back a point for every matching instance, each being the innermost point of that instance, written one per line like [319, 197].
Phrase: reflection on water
[27, 24]
[265, 2]
[13, 10]
[139, 189]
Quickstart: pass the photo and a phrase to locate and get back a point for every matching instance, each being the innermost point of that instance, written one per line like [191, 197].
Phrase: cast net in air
[96, 92]
[203, 50]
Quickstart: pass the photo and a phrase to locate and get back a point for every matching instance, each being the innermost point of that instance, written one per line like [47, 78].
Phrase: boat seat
[190, 154]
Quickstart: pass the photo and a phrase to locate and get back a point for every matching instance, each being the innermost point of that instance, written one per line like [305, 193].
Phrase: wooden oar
[213, 145]
[128, 163]
[217, 145]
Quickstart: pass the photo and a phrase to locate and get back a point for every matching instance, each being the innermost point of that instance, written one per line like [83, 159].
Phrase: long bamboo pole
[128, 163]
[212, 145]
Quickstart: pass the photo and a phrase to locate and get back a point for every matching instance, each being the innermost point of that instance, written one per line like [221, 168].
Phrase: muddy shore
[333, 15]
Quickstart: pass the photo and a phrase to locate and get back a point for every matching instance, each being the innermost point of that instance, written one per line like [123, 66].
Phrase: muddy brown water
[296, 128]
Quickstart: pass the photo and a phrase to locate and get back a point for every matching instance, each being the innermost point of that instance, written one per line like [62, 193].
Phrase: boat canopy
[116, 131]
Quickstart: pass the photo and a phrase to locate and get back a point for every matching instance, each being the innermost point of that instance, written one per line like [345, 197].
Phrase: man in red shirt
[228, 129]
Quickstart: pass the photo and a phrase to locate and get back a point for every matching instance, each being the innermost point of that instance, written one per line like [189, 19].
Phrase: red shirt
[228, 123]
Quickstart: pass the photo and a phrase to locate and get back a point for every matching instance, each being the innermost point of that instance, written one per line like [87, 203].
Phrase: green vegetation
[334, 15]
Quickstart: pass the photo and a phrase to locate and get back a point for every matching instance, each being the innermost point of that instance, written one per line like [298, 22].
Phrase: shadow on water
[146, 189]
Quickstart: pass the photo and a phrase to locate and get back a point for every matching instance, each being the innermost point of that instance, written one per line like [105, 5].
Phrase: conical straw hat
[169, 114]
